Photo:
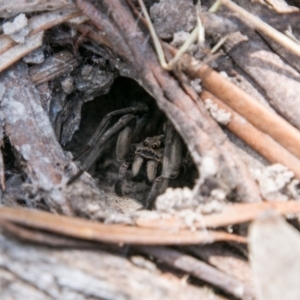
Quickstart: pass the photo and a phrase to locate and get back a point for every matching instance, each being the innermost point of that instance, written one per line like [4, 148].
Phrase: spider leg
[96, 150]
[159, 185]
[137, 165]
[151, 168]
[124, 142]
[140, 126]
[173, 154]
[122, 171]
[139, 108]
[126, 137]
[125, 152]
[172, 161]
[102, 134]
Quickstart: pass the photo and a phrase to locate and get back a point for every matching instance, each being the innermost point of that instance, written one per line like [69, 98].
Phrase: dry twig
[268, 122]
[262, 27]
[256, 139]
[111, 233]
[200, 270]
[230, 215]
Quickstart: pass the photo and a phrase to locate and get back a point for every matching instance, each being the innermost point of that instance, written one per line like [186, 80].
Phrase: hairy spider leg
[151, 168]
[172, 153]
[97, 148]
[134, 110]
[139, 108]
[102, 135]
[158, 185]
[124, 142]
[102, 131]
[140, 127]
[172, 161]
[124, 145]
[132, 132]
[122, 172]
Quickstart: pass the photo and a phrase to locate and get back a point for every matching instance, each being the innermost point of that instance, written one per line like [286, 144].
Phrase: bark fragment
[30, 132]
[43, 273]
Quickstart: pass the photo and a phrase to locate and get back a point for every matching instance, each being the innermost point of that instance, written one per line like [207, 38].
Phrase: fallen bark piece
[11, 51]
[11, 8]
[60, 63]
[111, 233]
[42, 273]
[29, 129]
[274, 253]
[30, 132]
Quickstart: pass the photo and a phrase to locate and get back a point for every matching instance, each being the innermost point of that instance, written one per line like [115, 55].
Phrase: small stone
[220, 115]
[35, 57]
[16, 25]
[67, 84]
[273, 181]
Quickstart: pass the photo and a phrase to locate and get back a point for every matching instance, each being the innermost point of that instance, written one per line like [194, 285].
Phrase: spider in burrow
[155, 159]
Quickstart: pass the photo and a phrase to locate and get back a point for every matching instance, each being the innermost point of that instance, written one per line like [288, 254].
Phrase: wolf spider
[153, 158]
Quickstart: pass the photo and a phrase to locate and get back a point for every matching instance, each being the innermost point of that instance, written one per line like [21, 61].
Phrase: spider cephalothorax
[149, 153]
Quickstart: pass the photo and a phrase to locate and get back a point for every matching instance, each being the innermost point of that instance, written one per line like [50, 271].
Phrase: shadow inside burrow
[124, 93]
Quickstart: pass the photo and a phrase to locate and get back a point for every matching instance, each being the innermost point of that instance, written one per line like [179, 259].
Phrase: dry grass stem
[263, 27]
[230, 215]
[200, 270]
[266, 121]
[256, 139]
[111, 233]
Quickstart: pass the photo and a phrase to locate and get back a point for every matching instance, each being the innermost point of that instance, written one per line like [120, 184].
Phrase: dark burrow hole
[125, 93]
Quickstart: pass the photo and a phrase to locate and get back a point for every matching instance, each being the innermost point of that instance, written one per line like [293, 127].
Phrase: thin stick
[259, 141]
[5, 43]
[230, 215]
[263, 27]
[201, 270]
[193, 37]
[43, 238]
[268, 122]
[111, 233]
[157, 44]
